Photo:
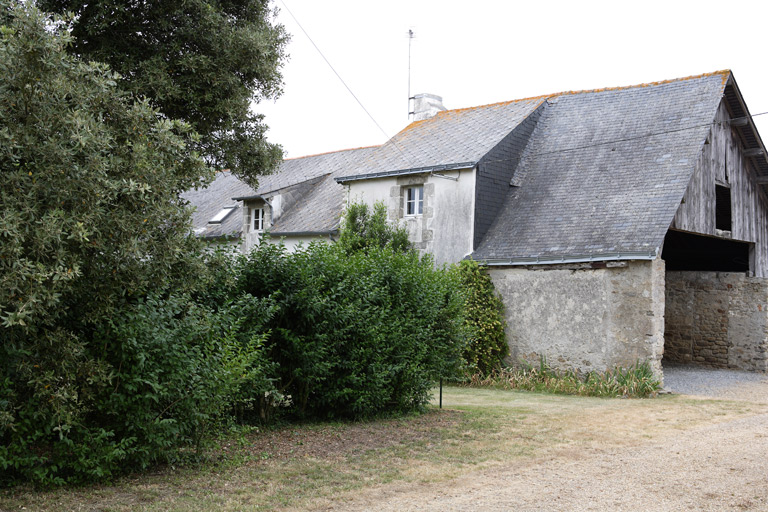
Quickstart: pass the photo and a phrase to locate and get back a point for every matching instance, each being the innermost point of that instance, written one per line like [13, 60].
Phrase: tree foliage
[483, 319]
[104, 362]
[90, 185]
[201, 61]
[363, 228]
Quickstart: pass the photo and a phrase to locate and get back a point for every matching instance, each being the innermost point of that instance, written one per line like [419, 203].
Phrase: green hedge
[484, 320]
[163, 374]
[356, 334]
[321, 333]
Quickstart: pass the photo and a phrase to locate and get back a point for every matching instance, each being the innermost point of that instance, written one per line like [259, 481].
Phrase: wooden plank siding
[722, 162]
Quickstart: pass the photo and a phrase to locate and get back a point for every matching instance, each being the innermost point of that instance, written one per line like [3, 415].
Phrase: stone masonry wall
[717, 319]
[585, 318]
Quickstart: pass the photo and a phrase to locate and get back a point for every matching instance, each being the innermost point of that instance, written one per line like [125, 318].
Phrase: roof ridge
[725, 73]
[332, 152]
[462, 109]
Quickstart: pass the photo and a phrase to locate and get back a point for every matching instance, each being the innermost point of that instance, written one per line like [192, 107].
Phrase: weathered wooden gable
[723, 162]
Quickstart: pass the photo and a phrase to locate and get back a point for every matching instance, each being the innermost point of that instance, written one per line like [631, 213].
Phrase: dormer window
[414, 200]
[223, 214]
[257, 219]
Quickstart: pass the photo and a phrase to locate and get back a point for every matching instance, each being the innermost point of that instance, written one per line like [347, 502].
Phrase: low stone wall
[717, 319]
[585, 318]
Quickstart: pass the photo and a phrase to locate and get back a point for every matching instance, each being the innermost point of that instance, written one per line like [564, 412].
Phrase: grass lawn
[299, 467]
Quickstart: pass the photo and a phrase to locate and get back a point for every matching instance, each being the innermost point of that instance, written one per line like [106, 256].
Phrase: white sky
[484, 51]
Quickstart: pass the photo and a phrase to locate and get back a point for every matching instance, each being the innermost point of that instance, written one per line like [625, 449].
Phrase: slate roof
[207, 202]
[601, 176]
[452, 139]
[317, 212]
[298, 170]
[604, 172]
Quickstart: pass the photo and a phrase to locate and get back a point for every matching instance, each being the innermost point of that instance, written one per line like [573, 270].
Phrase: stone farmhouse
[619, 225]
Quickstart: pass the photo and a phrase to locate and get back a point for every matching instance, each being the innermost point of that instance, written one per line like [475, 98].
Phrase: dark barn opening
[686, 251]
[696, 295]
[722, 208]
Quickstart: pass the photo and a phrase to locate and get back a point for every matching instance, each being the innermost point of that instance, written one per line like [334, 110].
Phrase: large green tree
[90, 223]
[202, 61]
[90, 180]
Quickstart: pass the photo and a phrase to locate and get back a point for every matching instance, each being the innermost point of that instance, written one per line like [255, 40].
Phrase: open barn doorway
[701, 273]
[690, 252]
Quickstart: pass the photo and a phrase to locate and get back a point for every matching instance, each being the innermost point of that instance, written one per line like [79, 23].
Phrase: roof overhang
[404, 172]
[744, 125]
[249, 198]
[557, 260]
[304, 233]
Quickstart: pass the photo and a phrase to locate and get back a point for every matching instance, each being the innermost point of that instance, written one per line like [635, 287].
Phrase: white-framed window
[257, 219]
[414, 200]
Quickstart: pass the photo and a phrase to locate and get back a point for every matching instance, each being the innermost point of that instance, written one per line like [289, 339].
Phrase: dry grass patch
[308, 466]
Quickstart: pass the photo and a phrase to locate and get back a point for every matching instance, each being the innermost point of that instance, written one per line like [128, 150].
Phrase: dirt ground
[720, 465]
[492, 451]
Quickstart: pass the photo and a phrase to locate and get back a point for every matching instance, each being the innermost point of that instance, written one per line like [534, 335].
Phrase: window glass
[219, 217]
[414, 200]
[257, 214]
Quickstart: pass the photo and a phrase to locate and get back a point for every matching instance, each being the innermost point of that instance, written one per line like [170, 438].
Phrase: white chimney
[426, 106]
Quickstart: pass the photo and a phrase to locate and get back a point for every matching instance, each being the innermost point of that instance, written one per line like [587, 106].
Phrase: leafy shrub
[180, 370]
[356, 334]
[637, 381]
[161, 375]
[484, 320]
[105, 363]
[364, 228]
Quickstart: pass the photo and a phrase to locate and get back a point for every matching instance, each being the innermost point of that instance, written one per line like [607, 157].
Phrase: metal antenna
[410, 38]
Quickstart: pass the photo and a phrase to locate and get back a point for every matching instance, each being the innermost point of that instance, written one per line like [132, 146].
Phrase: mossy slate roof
[318, 211]
[207, 202]
[603, 171]
[452, 138]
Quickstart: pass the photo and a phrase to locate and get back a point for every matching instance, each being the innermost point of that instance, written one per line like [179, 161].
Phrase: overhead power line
[334, 70]
[386, 135]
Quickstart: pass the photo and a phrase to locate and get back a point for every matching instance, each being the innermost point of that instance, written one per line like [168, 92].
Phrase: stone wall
[717, 319]
[582, 317]
[250, 237]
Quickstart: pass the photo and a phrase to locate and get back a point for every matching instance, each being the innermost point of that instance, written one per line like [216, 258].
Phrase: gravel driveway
[719, 465]
[715, 383]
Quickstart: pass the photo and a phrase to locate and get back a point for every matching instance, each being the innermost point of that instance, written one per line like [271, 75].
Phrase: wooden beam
[753, 152]
[739, 121]
[762, 180]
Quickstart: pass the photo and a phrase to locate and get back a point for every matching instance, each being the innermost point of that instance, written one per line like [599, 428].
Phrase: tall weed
[636, 381]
